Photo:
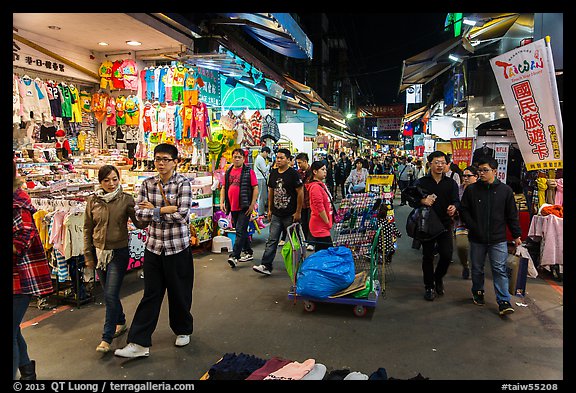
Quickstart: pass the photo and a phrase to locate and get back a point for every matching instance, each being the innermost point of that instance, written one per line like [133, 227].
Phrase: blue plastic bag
[325, 272]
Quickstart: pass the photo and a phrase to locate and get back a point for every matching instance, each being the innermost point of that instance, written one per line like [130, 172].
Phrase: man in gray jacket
[487, 207]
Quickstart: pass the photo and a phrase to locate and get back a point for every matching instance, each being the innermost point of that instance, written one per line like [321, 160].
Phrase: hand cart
[359, 231]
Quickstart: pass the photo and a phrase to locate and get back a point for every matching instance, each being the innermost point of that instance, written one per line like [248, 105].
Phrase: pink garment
[58, 230]
[549, 229]
[559, 197]
[319, 202]
[292, 371]
[268, 368]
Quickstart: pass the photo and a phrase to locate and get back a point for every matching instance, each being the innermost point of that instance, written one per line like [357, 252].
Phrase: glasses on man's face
[162, 159]
[484, 170]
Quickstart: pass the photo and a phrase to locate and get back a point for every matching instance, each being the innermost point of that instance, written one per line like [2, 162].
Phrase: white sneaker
[245, 257]
[182, 340]
[232, 262]
[281, 242]
[310, 247]
[261, 269]
[132, 350]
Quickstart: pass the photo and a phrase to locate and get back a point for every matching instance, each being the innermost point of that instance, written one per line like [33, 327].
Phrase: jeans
[277, 224]
[321, 243]
[444, 247]
[242, 242]
[19, 348]
[305, 221]
[111, 281]
[497, 255]
[463, 249]
[262, 196]
[175, 274]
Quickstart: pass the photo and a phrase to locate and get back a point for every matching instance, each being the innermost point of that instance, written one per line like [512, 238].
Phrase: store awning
[415, 115]
[427, 65]
[277, 31]
[491, 27]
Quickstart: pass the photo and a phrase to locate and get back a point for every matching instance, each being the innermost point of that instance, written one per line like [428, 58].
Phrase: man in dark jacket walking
[344, 167]
[488, 206]
[442, 196]
[238, 197]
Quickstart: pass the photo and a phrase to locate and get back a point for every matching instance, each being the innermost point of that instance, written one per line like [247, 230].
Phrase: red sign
[461, 151]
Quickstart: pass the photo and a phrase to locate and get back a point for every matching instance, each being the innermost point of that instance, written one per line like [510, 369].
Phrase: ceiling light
[134, 43]
[455, 58]
[103, 43]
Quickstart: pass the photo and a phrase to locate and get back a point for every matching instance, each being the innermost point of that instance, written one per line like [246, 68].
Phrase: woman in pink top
[320, 206]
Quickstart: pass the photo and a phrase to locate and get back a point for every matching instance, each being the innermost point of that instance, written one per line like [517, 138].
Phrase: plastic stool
[220, 242]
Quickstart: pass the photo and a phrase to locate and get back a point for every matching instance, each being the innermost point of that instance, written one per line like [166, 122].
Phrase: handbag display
[270, 128]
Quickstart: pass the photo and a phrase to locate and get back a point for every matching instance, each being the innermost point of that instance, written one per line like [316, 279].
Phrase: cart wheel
[309, 306]
[360, 311]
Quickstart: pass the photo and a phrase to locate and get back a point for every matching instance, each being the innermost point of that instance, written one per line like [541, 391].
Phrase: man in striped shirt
[164, 200]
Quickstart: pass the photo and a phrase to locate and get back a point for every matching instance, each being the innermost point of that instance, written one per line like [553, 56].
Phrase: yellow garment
[82, 140]
[42, 228]
[76, 106]
[542, 184]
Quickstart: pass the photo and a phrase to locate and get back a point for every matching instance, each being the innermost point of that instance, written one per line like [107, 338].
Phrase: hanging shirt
[66, 97]
[149, 123]
[150, 84]
[75, 101]
[99, 102]
[132, 108]
[111, 111]
[161, 91]
[16, 107]
[178, 122]
[29, 99]
[190, 92]
[120, 110]
[129, 74]
[169, 82]
[105, 72]
[157, 82]
[117, 77]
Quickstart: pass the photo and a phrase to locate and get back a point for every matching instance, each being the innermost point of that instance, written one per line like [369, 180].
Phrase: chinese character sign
[527, 84]
[501, 155]
[461, 151]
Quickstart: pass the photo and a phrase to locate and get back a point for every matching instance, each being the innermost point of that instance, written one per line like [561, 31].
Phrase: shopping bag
[290, 254]
[517, 271]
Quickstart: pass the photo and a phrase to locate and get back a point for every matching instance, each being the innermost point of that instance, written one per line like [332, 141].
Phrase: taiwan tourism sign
[527, 83]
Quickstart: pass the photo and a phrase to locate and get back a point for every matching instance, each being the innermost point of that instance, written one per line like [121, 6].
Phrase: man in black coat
[442, 197]
[488, 206]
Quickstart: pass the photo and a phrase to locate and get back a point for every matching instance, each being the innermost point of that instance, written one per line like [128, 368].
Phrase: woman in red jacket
[320, 206]
[30, 275]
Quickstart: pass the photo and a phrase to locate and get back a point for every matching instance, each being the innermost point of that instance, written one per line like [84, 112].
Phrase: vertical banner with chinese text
[527, 83]
[501, 155]
[461, 151]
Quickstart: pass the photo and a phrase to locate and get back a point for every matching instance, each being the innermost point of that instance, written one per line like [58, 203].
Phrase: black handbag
[423, 224]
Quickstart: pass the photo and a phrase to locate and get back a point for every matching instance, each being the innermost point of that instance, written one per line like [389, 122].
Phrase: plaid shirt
[168, 233]
[30, 269]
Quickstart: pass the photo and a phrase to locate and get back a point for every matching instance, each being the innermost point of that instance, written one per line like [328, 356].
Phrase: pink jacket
[319, 202]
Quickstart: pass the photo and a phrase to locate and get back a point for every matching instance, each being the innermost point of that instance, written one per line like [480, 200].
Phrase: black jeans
[445, 246]
[172, 273]
[305, 220]
[321, 243]
[403, 184]
[242, 241]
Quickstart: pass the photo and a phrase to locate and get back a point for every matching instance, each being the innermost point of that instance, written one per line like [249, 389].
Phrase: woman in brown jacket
[106, 246]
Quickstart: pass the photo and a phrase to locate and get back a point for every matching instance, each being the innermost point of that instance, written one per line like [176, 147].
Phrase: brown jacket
[106, 224]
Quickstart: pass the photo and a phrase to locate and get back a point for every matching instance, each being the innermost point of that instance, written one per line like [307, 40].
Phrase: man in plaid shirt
[164, 201]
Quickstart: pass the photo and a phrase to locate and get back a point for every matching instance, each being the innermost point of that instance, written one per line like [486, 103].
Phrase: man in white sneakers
[164, 201]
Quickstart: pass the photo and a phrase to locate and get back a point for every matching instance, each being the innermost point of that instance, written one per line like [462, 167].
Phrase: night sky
[379, 42]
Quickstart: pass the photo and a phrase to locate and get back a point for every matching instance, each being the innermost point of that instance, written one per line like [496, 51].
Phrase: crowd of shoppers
[473, 206]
